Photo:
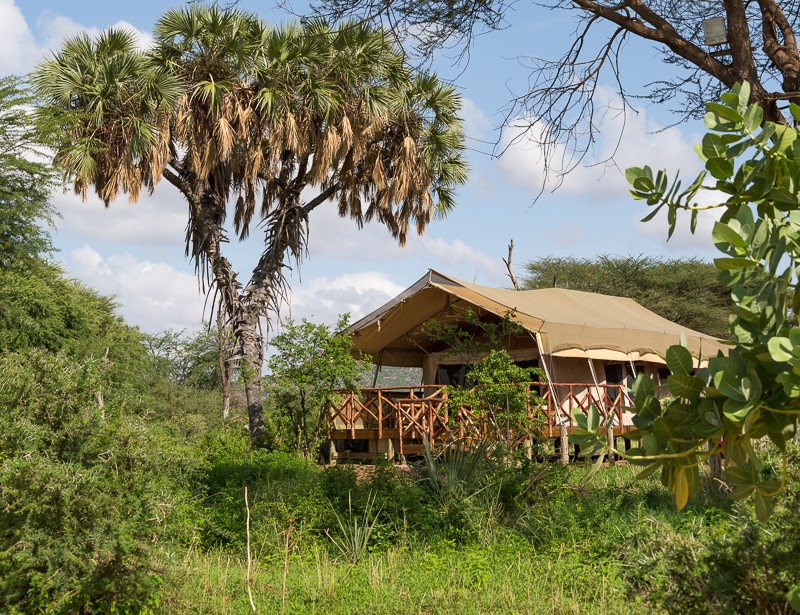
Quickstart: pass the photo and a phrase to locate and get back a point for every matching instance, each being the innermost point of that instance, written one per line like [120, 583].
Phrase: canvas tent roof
[565, 323]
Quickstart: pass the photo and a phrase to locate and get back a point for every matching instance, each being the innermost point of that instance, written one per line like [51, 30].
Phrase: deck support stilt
[612, 458]
[564, 441]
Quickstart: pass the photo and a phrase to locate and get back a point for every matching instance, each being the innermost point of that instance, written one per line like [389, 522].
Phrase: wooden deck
[403, 417]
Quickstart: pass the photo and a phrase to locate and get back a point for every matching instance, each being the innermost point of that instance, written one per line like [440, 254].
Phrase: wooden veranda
[393, 420]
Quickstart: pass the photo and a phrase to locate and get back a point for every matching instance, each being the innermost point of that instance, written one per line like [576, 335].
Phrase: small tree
[494, 387]
[502, 396]
[309, 363]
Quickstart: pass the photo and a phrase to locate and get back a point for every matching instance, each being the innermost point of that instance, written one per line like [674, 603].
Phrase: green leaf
[728, 384]
[795, 111]
[679, 360]
[780, 349]
[742, 90]
[764, 506]
[688, 387]
[784, 137]
[793, 597]
[681, 488]
[742, 492]
[720, 168]
[731, 264]
[643, 386]
[712, 146]
[736, 411]
[647, 471]
[726, 113]
[723, 234]
[753, 118]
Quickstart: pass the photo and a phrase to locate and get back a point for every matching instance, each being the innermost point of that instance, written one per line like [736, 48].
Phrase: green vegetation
[122, 488]
[136, 505]
[752, 394]
[309, 363]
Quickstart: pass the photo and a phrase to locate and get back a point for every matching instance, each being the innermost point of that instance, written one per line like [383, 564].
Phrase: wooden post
[564, 439]
[333, 454]
[612, 458]
[380, 415]
[389, 450]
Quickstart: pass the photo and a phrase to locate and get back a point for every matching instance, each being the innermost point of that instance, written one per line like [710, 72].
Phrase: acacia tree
[266, 123]
[561, 103]
[24, 184]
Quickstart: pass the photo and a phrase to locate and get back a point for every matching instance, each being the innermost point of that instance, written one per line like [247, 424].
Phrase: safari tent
[589, 345]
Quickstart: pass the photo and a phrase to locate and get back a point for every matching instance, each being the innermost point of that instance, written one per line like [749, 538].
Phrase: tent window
[615, 373]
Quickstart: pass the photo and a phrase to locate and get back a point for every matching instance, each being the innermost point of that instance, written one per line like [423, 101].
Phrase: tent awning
[569, 323]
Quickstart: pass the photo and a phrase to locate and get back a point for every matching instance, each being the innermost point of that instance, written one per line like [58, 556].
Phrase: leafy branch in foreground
[754, 392]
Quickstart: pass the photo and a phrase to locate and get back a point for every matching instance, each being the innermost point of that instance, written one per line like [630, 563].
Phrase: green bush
[730, 563]
[283, 490]
[83, 491]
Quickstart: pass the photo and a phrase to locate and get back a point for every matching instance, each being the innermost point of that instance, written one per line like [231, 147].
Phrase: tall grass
[505, 578]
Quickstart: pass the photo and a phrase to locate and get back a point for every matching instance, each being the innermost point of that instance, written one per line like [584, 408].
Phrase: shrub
[736, 564]
[83, 496]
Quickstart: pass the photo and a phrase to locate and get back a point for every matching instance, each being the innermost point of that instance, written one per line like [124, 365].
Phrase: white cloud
[159, 219]
[21, 48]
[476, 124]
[322, 299]
[152, 296]
[642, 142]
[55, 28]
[461, 259]
[334, 237]
[18, 48]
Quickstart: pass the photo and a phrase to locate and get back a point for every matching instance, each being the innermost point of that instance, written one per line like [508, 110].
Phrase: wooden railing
[423, 412]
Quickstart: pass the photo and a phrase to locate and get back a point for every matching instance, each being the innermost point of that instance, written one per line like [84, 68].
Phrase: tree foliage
[685, 290]
[190, 359]
[309, 363]
[561, 106]
[81, 487]
[25, 184]
[274, 121]
[491, 383]
[754, 392]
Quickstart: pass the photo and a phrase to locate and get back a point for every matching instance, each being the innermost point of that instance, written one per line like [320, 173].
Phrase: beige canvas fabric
[568, 323]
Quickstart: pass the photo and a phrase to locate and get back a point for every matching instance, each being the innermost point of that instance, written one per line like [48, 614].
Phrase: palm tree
[238, 115]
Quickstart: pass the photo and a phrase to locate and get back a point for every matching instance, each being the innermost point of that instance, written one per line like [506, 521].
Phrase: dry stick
[287, 532]
[249, 560]
[508, 265]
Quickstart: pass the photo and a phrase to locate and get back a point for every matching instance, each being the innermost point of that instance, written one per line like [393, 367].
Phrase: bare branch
[508, 265]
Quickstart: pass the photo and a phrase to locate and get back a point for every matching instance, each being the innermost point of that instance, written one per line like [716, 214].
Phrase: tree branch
[508, 265]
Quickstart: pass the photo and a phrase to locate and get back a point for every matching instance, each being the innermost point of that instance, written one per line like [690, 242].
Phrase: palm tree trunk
[251, 346]
[224, 362]
[206, 234]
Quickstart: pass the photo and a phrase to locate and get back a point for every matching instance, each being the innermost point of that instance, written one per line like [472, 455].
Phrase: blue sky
[136, 251]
